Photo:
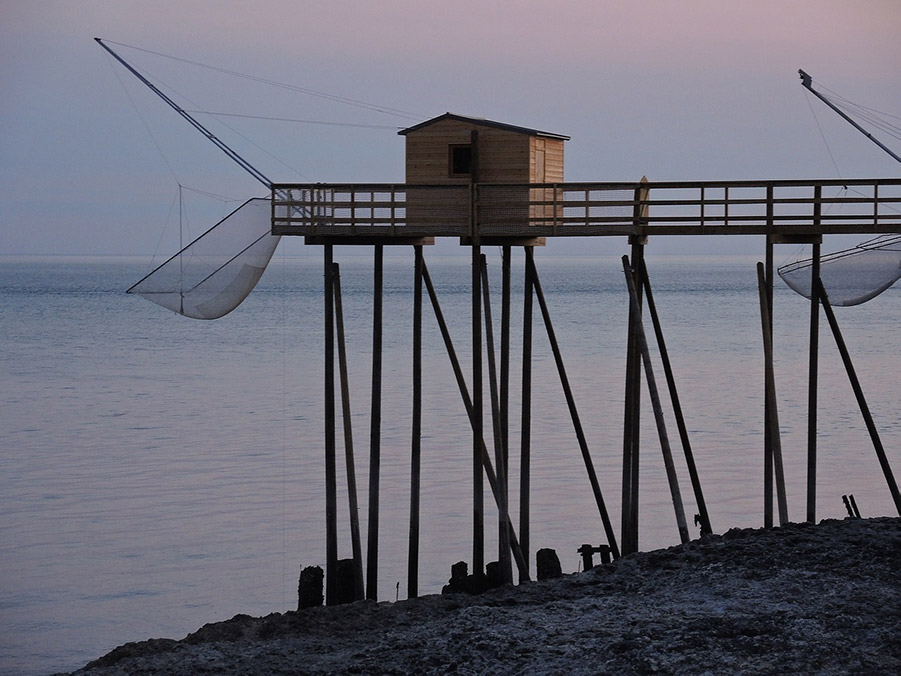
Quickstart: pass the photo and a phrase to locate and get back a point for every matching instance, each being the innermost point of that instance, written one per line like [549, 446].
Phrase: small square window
[460, 160]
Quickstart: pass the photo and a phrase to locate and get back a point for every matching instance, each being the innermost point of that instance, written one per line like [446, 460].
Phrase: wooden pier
[361, 213]
[526, 214]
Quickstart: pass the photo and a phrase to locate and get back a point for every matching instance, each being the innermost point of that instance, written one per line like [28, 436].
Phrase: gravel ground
[796, 599]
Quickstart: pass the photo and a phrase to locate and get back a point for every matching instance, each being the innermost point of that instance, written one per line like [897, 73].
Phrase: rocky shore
[796, 599]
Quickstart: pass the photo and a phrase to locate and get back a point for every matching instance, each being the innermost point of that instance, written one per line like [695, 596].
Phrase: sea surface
[158, 473]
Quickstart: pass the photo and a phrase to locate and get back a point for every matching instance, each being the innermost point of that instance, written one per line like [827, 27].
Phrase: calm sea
[158, 473]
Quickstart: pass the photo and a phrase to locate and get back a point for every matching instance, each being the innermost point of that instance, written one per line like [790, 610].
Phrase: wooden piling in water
[505, 560]
[573, 411]
[375, 423]
[703, 516]
[331, 490]
[499, 459]
[632, 414]
[813, 367]
[771, 403]
[635, 318]
[348, 439]
[416, 441]
[820, 292]
[525, 461]
[470, 412]
[767, 290]
[478, 505]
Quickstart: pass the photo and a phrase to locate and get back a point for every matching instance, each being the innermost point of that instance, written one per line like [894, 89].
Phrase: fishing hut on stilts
[487, 183]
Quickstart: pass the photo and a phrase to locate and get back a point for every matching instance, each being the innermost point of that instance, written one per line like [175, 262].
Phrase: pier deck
[361, 212]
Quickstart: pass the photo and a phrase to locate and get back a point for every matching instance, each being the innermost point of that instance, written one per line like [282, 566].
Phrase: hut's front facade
[458, 150]
[455, 149]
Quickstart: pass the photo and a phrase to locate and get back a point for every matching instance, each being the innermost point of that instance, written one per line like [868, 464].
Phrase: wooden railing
[804, 208]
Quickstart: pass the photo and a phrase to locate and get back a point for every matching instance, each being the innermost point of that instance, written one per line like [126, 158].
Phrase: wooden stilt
[631, 419]
[499, 460]
[331, 490]
[525, 462]
[348, 439]
[416, 442]
[812, 383]
[765, 287]
[574, 414]
[470, 412]
[635, 317]
[506, 562]
[703, 516]
[372, 540]
[771, 403]
[478, 507]
[861, 399]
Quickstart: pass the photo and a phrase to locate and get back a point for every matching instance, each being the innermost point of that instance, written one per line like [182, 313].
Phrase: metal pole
[416, 442]
[331, 491]
[573, 412]
[677, 406]
[635, 316]
[861, 400]
[525, 463]
[372, 541]
[348, 439]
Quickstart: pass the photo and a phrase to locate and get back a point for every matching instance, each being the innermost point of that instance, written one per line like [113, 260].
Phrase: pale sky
[675, 90]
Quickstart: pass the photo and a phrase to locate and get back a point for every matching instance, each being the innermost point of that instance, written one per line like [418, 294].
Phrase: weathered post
[506, 563]
[861, 399]
[348, 440]
[813, 371]
[478, 507]
[416, 442]
[525, 462]
[470, 412]
[375, 422]
[635, 316]
[331, 490]
[771, 404]
[632, 408]
[573, 411]
[677, 406]
[504, 567]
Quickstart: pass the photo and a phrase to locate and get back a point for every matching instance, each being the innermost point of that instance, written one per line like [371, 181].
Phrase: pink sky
[674, 90]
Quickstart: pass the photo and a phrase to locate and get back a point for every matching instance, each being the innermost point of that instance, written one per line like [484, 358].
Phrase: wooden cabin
[458, 150]
[454, 149]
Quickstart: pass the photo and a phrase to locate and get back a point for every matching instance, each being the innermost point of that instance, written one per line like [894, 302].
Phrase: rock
[309, 588]
[547, 564]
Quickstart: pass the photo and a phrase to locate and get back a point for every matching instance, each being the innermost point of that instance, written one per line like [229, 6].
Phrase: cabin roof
[485, 123]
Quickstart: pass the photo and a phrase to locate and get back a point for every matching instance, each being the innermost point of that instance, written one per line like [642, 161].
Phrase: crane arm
[807, 82]
[244, 164]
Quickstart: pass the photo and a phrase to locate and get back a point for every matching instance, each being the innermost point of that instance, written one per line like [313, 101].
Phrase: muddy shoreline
[801, 598]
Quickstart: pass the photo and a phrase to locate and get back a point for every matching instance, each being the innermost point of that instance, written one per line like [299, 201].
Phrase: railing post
[875, 203]
[703, 205]
[725, 206]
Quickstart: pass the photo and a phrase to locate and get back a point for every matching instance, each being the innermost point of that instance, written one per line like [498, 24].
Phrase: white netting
[852, 276]
[212, 275]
